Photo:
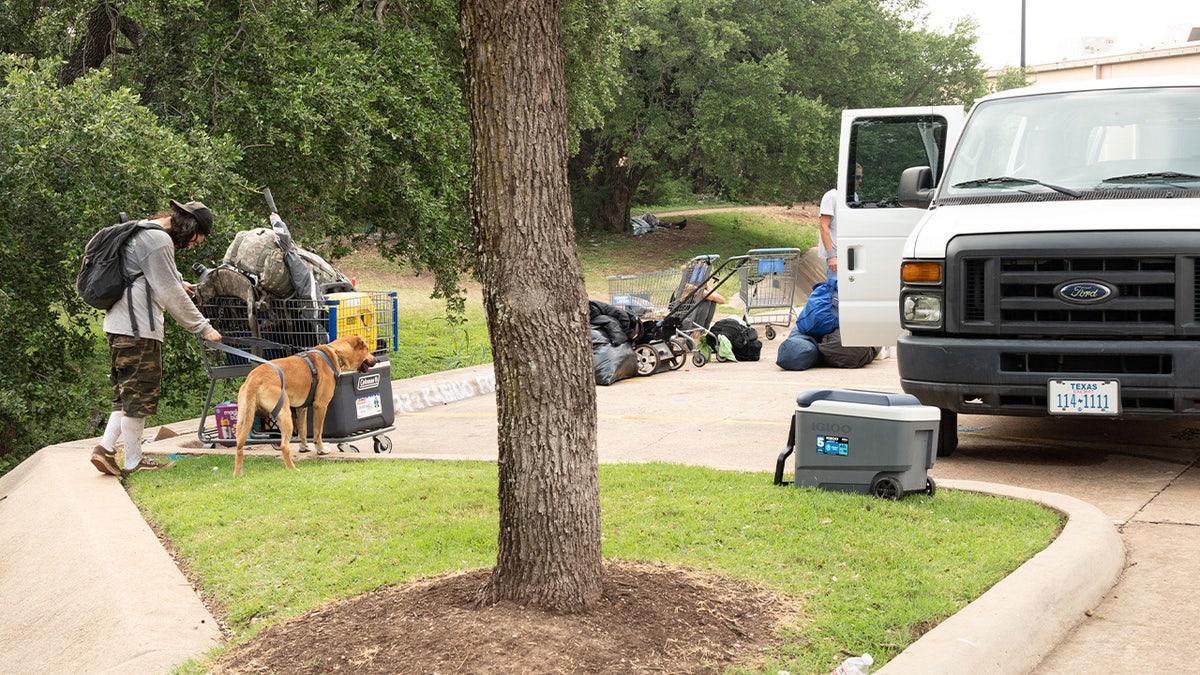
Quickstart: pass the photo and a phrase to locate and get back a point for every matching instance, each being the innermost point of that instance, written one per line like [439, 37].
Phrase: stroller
[671, 306]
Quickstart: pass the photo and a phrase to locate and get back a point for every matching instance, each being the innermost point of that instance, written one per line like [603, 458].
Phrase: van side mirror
[916, 187]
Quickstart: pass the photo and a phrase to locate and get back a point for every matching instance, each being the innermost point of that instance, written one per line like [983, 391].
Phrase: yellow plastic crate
[355, 315]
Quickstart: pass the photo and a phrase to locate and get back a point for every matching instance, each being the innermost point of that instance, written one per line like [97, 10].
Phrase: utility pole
[1022, 34]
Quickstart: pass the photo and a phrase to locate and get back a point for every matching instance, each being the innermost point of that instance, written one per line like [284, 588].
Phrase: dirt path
[804, 211]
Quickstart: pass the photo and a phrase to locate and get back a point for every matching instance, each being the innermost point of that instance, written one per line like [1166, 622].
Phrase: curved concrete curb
[1014, 625]
[85, 585]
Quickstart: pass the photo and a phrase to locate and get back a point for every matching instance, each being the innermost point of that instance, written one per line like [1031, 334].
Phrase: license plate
[1084, 397]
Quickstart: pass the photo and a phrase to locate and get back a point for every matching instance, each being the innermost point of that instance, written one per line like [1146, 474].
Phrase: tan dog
[262, 390]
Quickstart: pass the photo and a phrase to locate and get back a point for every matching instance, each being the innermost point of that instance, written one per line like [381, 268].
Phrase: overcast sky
[1054, 29]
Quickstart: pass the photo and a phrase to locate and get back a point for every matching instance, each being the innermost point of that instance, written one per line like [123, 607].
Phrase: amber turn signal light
[919, 272]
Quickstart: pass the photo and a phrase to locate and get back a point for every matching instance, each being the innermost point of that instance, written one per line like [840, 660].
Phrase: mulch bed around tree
[651, 619]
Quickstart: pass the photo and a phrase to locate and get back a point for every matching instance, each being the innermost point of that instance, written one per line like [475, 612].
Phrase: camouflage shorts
[135, 374]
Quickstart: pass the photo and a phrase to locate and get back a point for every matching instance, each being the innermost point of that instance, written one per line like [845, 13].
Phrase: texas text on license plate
[1083, 397]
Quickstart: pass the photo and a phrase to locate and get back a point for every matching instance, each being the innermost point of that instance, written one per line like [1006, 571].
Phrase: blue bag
[797, 352]
[820, 314]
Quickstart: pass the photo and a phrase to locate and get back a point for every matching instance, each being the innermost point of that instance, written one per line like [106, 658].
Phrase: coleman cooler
[361, 402]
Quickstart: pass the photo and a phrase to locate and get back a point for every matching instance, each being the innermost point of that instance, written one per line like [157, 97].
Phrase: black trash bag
[628, 321]
[610, 328]
[742, 338]
[612, 362]
[835, 354]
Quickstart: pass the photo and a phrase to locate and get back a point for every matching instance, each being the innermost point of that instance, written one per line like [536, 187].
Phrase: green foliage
[1011, 77]
[74, 157]
[872, 574]
[354, 121]
[742, 98]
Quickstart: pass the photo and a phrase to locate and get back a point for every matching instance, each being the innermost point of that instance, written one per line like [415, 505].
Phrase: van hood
[933, 233]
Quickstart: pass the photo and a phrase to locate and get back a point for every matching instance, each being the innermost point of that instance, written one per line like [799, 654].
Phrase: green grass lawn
[867, 574]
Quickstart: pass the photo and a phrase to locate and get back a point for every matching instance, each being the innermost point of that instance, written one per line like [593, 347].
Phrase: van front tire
[947, 433]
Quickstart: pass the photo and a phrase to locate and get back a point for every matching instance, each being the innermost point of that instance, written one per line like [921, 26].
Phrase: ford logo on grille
[1084, 292]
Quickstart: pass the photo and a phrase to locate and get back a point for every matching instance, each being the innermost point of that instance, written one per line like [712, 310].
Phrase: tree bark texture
[99, 40]
[536, 302]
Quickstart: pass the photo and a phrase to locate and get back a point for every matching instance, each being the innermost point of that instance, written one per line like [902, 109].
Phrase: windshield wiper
[1165, 177]
[1009, 180]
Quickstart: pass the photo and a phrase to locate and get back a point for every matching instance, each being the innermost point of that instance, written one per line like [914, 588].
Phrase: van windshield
[1075, 142]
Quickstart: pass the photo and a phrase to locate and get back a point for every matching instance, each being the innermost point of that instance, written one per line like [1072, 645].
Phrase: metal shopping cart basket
[767, 284]
[666, 302]
[273, 328]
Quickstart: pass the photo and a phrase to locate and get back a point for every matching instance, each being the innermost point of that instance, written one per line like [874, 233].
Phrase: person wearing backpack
[133, 326]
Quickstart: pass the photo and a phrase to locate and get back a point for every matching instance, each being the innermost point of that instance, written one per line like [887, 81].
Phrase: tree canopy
[741, 99]
[353, 113]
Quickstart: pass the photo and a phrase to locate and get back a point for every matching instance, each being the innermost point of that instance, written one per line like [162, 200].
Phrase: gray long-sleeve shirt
[151, 253]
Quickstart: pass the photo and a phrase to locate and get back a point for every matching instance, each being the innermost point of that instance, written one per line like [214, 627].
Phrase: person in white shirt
[827, 223]
[135, 333]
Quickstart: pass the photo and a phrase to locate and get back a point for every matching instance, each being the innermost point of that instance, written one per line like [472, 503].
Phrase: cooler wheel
[887, 487]
[383, 444]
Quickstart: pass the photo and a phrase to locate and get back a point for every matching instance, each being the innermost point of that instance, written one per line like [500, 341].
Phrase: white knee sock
[131, 431]
[112, 430]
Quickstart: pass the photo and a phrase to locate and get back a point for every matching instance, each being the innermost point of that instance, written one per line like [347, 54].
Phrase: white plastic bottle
[855, 665]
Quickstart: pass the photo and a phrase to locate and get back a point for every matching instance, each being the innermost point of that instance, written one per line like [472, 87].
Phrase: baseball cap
[203, 215]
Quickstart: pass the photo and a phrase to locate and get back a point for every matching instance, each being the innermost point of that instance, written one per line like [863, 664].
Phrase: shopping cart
[275, 328]
[767, 282]
[667, 303]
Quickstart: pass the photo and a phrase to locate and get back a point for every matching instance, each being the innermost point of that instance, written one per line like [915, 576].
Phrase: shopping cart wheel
[770, 332]
[887, 487]
[383, 444]
[647, 359]
[699, 359]
[930, 486]
[679, 352]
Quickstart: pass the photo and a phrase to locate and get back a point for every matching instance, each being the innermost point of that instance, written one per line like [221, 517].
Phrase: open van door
[872, 226]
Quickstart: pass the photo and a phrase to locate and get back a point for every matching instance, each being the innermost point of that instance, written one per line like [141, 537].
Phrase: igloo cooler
[853, 440]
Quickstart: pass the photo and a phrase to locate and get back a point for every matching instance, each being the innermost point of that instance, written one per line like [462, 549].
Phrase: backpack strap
[142, 225]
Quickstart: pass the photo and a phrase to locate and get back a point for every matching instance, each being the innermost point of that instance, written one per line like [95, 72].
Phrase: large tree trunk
[619, 182]
[549, 542]
[99, 40]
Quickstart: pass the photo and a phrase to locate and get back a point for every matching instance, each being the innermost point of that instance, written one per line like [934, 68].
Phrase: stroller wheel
[647, 359]
[699, 359]
[679, 352]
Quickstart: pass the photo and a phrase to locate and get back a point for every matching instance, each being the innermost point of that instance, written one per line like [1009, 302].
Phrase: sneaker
[105, 461]
[148, 464]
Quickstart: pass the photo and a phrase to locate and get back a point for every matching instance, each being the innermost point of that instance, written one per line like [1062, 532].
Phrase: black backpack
[742, 338]
[102, 280]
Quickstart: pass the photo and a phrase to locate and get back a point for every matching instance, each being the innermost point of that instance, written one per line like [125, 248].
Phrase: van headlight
[921, 310]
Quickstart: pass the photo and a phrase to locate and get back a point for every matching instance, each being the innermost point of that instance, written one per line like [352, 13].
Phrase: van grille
[1151, 293]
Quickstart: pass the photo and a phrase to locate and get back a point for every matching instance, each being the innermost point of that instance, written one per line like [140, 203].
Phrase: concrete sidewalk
[85, 586]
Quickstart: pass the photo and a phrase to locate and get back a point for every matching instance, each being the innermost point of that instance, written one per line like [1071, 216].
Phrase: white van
[1050, 267]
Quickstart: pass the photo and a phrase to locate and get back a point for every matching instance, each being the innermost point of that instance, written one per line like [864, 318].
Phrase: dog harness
[312, 368]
